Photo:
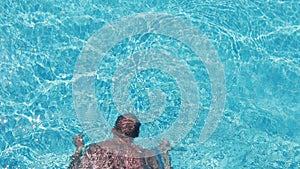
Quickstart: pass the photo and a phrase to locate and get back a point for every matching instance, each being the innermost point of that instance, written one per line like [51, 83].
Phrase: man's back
[117, 154]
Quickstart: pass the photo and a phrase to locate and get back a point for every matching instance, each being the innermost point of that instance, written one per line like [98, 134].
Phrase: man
[120, 152]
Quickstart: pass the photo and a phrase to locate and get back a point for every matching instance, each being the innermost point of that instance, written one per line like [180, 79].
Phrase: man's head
[127, 125]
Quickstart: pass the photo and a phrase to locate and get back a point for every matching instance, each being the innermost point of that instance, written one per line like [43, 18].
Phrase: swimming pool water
[257, 42]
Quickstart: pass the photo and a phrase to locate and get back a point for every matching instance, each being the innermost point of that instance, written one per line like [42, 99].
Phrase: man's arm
[79, 143]
[151, 160]
[164, 147]
[159, 157]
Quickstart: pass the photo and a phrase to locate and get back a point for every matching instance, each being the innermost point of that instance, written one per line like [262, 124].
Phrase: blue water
[257, 43]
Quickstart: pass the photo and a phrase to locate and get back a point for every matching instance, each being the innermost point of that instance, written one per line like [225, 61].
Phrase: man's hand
[78, 141]
[165, 146]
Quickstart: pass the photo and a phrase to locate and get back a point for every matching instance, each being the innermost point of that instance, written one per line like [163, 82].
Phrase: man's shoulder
[99, 144]
[103, 145]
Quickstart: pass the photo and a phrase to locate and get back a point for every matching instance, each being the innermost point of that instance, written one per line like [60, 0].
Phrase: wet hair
[128, 125]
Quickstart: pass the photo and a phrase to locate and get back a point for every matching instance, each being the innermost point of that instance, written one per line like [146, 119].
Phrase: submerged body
[120, 152]
[116, 154]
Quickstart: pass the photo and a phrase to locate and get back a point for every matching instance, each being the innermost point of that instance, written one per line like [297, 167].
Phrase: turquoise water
[257, 43]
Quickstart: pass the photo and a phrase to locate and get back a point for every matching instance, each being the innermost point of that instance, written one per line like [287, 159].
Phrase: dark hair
[128, 125]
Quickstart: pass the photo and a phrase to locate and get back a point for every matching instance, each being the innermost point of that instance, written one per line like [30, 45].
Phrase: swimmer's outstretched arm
[79, 143]
[152, 160]
[164, 147]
